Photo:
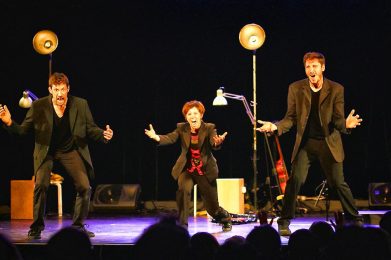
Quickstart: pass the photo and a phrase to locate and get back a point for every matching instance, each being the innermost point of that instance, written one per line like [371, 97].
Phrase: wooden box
[22, 192]
[231, 194]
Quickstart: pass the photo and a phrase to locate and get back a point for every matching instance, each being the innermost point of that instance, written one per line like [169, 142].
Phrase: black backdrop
[137, 62]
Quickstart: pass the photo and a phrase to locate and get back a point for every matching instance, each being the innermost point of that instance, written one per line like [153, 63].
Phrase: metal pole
[255, 173]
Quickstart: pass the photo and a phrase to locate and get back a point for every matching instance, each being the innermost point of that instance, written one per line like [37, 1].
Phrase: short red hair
[190, 104]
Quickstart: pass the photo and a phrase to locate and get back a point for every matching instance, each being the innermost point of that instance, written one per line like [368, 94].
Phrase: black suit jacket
[39, 119]
[331, 114]
[206, 133]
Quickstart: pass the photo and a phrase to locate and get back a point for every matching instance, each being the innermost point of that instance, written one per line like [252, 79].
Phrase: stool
[59, 195]
[195, 200]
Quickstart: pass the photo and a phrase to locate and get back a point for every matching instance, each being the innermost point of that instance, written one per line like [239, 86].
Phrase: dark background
[138, 62]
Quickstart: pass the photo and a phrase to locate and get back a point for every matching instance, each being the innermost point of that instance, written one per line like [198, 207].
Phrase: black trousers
[183, 195]
[74, 166]
[311, 151]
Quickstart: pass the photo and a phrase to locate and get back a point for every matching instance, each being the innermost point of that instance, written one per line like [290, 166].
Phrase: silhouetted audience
[163, 240]
[69, 244]
[203, 246]
[8, 250]
[266, 241]
[235, 247]
[302, 244]
[353, 242]
[323, 232]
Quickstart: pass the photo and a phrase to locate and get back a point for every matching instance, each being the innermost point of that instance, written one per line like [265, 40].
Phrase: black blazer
[206, 133]
[331, 113]
[39, 119]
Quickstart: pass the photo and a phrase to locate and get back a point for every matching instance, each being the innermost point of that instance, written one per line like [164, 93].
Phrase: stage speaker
[116, 197]
[379, 195]
[231, 194]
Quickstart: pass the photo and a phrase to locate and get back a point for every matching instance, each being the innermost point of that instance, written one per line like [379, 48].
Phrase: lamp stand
[255, 159]
[50, 64]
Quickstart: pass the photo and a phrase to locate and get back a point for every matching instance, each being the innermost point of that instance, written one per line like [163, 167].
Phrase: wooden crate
[22, 192]
[231, 195]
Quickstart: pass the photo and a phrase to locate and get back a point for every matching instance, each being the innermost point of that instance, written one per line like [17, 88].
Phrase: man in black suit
[62, 126]
[316, 107]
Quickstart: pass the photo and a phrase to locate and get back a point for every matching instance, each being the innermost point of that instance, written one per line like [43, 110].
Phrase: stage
[116, 233]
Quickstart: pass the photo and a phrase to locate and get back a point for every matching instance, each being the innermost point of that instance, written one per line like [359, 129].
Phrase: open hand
[5, 115]
[352, 121]
[267, 127]
[151, 133]
[219, 139]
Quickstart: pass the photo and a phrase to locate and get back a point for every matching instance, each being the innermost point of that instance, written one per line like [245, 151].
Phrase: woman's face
[193, 116]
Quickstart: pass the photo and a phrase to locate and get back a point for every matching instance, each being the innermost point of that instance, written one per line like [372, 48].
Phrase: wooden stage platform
[115, 234]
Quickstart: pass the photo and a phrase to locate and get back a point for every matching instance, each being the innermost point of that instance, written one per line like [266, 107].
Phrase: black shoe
[34, 233]
[227, 226]
[284, 230]
[85, 230]
[283, 227]
[358, 221]
[224, 218]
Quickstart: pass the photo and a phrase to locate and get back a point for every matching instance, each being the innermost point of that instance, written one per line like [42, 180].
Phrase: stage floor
[125, 229]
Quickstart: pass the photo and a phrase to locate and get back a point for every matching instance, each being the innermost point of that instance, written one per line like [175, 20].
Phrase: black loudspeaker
[379, 195]
[116, 197]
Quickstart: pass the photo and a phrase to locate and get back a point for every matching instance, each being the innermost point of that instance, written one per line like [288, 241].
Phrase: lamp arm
[31, 94]
[245, 103]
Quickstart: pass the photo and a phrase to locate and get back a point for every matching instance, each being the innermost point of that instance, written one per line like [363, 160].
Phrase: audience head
[69, 243]
[266, 240]
[302, 245]
[203, 245]
[8, 250]
[323, 232]
[163, 240]
[235, 247]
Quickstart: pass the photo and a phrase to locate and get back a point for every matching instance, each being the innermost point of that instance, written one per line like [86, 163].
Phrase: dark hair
[190, 104]
[314, 55]
[58, 78]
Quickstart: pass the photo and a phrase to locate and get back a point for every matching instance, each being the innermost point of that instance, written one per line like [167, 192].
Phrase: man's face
[59, 93]
[194, 117]
[314, 71]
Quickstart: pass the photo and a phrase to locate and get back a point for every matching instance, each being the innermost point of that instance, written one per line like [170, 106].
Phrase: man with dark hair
[316, 107]
[62, 126]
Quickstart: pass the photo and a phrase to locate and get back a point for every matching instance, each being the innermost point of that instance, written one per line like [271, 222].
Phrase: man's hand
[5, 115]
[352, 121]
[108, 133]
[151, 133]
[219, 139]
[267, 127]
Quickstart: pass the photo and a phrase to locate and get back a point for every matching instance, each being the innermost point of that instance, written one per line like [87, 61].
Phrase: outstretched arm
[151, 133]
[5, 115]
[352, 121]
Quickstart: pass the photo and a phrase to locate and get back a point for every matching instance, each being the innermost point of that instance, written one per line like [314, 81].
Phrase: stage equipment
[27, 99]
[379, 195]
[116, 197]
[45, 42]
[251, 37]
